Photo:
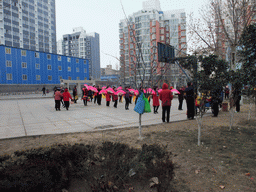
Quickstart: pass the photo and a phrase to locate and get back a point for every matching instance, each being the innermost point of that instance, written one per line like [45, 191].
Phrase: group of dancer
[129, 95]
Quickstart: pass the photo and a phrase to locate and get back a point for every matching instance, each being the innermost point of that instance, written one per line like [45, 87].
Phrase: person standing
[190, 100]
[237, 96]
[43, 89]
[99, 96]
[226, 92]
[66, 97]
[156, 104]
[115, 98]
[57, 98]
[181, 97]
[108, 99]
[75, 94]
[166, 98]
[215, 95]
[127, 98]
[85, 95]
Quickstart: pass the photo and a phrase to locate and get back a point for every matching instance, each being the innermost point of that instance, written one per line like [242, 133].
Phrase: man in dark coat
[99, 96]
[75, 94]
[237, 96]
[190, 100]
[127, 98]
[181, 97]
[43, 91]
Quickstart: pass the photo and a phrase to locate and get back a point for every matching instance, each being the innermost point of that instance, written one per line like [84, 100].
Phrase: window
[37, 66]
[60, 69]
[59, 58]
[8, 63]
[85, 70]
[8, 50]
[24, 77]
[38, 77]
[69, 78]
[60, 77]
[23, 53]
[48, 56]
[49, 67]
[49, 77]
[77, 60]
[9, 76]
[69, 69]
[37, 55]
[24, 65]
[77, 69]
[77, 78]
[69, 59]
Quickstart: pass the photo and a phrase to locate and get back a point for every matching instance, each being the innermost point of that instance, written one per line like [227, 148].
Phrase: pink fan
[153, 92]
[119, 88]
[102, 91]
[104, 88]
[131, 90]
[136, 92]
[159, 90]
[144, 90]
[120, 92]
[110, 90]
[175, 91]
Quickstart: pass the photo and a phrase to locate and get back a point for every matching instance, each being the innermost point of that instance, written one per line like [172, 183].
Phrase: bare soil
[225, 159]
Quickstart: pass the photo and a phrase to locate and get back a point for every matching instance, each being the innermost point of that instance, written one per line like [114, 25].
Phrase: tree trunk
[140, 134]
[233, 58]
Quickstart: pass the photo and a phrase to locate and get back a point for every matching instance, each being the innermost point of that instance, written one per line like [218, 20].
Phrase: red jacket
[155, 99]
[66, 96]
[115, 97]
[58, 95]
[166, 96]
[108, 96]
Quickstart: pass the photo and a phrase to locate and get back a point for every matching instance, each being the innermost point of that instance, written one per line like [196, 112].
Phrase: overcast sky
[103, 16]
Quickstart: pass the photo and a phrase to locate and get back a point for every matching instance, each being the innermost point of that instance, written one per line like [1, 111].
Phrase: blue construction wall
[17, 71]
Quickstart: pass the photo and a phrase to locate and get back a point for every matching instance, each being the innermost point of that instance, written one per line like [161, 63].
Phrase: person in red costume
[166, 98]
[108, 98]
[155, 96]
[66, 96]
[85, 95]
[115, 98]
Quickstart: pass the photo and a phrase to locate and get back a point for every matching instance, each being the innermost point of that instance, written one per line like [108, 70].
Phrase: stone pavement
[30, 117]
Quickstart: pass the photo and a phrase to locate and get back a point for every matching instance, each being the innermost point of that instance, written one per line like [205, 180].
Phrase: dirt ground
[225, 160]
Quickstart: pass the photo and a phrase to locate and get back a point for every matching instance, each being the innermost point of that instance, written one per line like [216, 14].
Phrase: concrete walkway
[30, 117]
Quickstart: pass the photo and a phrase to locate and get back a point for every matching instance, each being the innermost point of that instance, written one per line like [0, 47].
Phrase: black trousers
[115, 105]
[120, 98]
[156, 109]
[127, 101]
[85, 101]
[164, 110]
[57, 104]
[136, 100]
[190, 108]
[180, 104]
[238, 105]
[226, 95]
[215, 108]
[107, 103]
[95, 98]
[99, 100]
[66, 104]
[130, 100]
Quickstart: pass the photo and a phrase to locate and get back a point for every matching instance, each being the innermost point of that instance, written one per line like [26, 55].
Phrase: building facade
[83, 45]
[20, 66]
[138, 45]
[28, 24]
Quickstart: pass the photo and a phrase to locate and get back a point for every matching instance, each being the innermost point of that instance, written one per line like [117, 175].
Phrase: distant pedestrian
[190, 99]
[226, 92]
[127, 98]
[57, 98]
[181, 97]
[156, 104]
[115, 98]
[43, 89]
[75, 94]
[166, 98]
[66, 97]
[108, 99]
[99, 96]
[85, 95]
[237, 96]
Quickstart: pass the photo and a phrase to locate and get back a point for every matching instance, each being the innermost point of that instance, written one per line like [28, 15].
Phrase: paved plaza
[30, 116]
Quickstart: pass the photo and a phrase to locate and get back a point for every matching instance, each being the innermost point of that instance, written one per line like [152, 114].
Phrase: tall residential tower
[139, 36]
[83, 45]
[28, 24]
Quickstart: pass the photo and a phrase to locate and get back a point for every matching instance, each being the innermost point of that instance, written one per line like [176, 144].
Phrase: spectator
[166, 98]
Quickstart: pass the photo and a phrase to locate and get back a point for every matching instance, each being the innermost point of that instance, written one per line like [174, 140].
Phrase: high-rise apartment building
[83, 45]
[28, 24]
[139, 35]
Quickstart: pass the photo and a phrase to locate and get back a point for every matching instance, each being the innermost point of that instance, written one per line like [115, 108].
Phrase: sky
[103, 17]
